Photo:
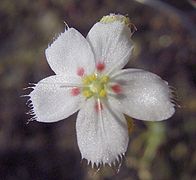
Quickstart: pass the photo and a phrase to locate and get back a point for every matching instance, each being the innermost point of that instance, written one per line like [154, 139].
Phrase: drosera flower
[89, 78]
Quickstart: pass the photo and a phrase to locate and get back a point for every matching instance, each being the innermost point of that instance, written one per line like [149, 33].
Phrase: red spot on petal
[100, 67]
[117, 88]
[80, 71]
[98, 106]
[75, 91]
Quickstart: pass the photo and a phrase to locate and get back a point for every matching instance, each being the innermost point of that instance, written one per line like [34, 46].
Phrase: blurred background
[164, 44]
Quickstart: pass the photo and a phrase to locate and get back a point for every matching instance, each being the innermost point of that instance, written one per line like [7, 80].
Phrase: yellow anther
[86, 80]
[103, 93]
[115, 17]
[87, 93]
[104, 79]
[89, 79]
[92, 77]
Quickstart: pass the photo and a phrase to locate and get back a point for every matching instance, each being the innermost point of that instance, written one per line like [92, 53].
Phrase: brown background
[164, 44]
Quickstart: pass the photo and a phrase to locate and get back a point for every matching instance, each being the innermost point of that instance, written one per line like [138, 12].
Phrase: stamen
[104, 79]
[116, 88]
[89, 79]
[100, 66]
[87, 93]
[92, 77]
[103, 93]
[75, 91]
[80, 71]
[66, 85]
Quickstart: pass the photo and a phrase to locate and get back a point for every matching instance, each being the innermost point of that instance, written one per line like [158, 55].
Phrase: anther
[103, 93]
[87, 93]
[104, 79]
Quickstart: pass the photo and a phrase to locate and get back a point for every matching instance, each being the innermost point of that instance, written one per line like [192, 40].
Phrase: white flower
[89, 77]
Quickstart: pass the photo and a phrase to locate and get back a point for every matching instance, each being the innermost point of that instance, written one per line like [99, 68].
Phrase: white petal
[145, 95]
[111, 44]
[102, 136]
[52, 101]
[69, 52]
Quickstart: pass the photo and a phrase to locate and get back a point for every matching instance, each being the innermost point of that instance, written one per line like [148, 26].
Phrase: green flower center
[95, 85]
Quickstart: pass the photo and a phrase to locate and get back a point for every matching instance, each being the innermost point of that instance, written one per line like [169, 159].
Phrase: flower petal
[102, 135]
[52, 100]
[145, 95]
[111, 44]
[70, 52]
